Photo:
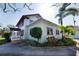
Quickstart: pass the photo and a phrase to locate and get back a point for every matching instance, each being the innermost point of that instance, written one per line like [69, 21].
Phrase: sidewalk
[77, 52]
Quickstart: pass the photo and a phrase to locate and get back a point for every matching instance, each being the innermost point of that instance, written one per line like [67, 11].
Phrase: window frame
[57, 32]
[22, 32]
[49, 31]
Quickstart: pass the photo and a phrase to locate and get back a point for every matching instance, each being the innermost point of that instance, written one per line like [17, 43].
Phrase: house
[30, 21]
[14, 35]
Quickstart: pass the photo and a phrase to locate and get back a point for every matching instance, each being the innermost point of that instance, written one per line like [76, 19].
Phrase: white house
[49, 29]
[35, 20]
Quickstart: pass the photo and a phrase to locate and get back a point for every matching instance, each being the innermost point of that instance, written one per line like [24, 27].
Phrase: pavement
[13, 49]
[77, 47]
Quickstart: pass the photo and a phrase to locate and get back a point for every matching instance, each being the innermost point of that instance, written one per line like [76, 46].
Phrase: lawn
[2, 41]
[2, 38]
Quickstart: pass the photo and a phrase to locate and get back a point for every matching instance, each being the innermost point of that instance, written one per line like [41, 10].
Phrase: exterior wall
[54, 27]
[43, 25]
[14, 35]
[43, 38]
[26, 23]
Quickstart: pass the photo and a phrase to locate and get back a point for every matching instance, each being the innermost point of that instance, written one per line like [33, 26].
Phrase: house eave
[25, 16]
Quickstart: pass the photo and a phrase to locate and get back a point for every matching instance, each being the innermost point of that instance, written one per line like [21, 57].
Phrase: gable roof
[43, 20]
[15, 29]
[25, 16]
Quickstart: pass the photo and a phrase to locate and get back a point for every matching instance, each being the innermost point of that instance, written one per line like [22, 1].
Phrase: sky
[46, 10]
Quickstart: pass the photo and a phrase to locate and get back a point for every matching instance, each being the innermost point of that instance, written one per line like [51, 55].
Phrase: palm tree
[71, 11]
[61, 13]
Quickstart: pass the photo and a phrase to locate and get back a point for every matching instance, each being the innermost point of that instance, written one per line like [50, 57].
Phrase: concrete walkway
[12, 49]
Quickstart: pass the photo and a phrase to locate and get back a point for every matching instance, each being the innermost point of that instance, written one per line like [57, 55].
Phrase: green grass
[2, 38]
[2, 41]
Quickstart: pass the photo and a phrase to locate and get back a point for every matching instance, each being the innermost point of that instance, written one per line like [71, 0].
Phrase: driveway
[13, 49]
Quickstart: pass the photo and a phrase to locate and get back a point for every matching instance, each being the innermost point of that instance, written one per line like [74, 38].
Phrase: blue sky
[46, 10]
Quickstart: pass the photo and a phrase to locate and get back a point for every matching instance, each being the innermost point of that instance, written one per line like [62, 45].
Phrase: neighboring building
[76, 36]
[14, 35]
[35, 20]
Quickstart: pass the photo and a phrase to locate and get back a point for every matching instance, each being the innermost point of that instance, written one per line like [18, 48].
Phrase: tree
[36, 32]
[5, 32]
[1, 31]
[12, 7]
[11, 26]
[9, 7]
[61, 13]
[68, 30]
[71, 11]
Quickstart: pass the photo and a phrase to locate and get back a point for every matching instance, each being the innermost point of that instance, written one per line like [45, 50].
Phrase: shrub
[36, 32]
[44, 44]
[32, 42]
[60, 43]
[6, 35]
[35, 43]
[69, 42]
[66, 42]
[52, 41]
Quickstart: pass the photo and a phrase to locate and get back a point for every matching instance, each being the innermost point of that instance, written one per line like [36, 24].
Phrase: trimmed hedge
[36, 32]
[6, 35]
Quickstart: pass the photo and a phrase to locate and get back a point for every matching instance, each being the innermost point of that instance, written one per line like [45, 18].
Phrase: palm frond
[72, 11]
[58, 15]
[66, 14]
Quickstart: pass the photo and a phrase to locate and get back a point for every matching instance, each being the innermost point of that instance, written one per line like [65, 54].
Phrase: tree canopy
[9, 7]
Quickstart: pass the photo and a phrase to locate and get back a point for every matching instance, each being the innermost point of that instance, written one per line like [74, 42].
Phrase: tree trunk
[62, 30]
[74, 21]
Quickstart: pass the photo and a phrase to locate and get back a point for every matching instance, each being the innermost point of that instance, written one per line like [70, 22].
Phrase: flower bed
[65, 42]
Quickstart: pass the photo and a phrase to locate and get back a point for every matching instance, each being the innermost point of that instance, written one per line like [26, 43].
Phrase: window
[22, 32]
[14, 33]
[21, 24]
[18, 33]
[57, 32]
[49, 31]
